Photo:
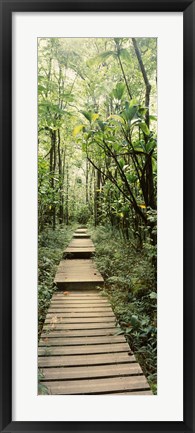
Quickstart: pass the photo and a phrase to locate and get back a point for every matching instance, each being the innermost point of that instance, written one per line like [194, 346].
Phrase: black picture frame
[7, 7]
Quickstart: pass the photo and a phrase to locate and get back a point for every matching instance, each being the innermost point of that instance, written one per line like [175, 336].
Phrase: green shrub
[50, 247]
[130, 283]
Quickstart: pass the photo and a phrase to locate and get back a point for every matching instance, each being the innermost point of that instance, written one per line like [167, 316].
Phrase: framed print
[97, 147]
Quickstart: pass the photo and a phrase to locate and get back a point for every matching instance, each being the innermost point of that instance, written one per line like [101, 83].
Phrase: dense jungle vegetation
[97, 166]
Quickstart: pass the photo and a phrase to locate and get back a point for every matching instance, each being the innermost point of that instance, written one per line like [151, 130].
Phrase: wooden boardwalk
[80, 351]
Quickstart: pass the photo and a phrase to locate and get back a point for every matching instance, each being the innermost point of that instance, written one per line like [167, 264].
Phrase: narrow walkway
[79, 349]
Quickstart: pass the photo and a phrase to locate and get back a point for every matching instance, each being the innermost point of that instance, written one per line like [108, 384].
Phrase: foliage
[97, 164]
[42, 389]
[97, 100]
[51, 245]
[131, 288]
[83, 215]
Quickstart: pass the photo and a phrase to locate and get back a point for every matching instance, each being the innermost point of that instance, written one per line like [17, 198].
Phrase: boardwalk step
[69, 326]
[78, 253]
[91, 372]
[98, 386]
[79, 341]
[77, 274]
[50, 332]
[81, 236]
[80, 248]
[80, 349]
[80, 243]
[86, 349]
[102, 309]
[84, 360]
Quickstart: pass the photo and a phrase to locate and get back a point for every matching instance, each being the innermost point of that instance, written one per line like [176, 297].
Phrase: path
[79, 349]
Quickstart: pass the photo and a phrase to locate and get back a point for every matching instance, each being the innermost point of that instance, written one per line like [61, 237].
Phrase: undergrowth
[130, 284]
[50, 247]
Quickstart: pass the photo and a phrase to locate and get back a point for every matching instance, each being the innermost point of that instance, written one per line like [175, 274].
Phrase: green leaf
[117, 118]
[119, 332]
[41, 88]
[68, 97]
[77, 130]
[135, 121]
[150, 145]
[134, 320]
[144, 128]
[142, 111]
[87, 115]
[100, 58]
[153, 295]
[119, 91]
[129, 111]
[122, 162]
[102, 125]
[151, 117]
[94, 116]
[125, 55]
[90, 116]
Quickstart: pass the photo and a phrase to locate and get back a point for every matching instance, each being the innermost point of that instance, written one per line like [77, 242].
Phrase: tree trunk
[61, 197]
[67, 196]
[87, 182]
[149, 181]
[52, 176]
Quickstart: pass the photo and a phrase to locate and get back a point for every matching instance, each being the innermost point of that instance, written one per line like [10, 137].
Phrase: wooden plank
[67, 294]
[80, 243]
[68, 278]
[81, 314]
[84, 275]
[78, 305]
[76, 297]
[83, 350]
[56, 319]
[83, 304]
[110, 370]
[68, 269]
[77, 302]
[81, 236]
[77, 271]
[69, 326]
[83, 310]
[74, 249]
[75, 246]
[63, 361]
[78, 285]
[74, 285]
[79, 310]
[91, 292]
[44, 341]
[78, 263]
[50, 333]
[146, 392]
[81, 307]
[97, 386]
[82, 272]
